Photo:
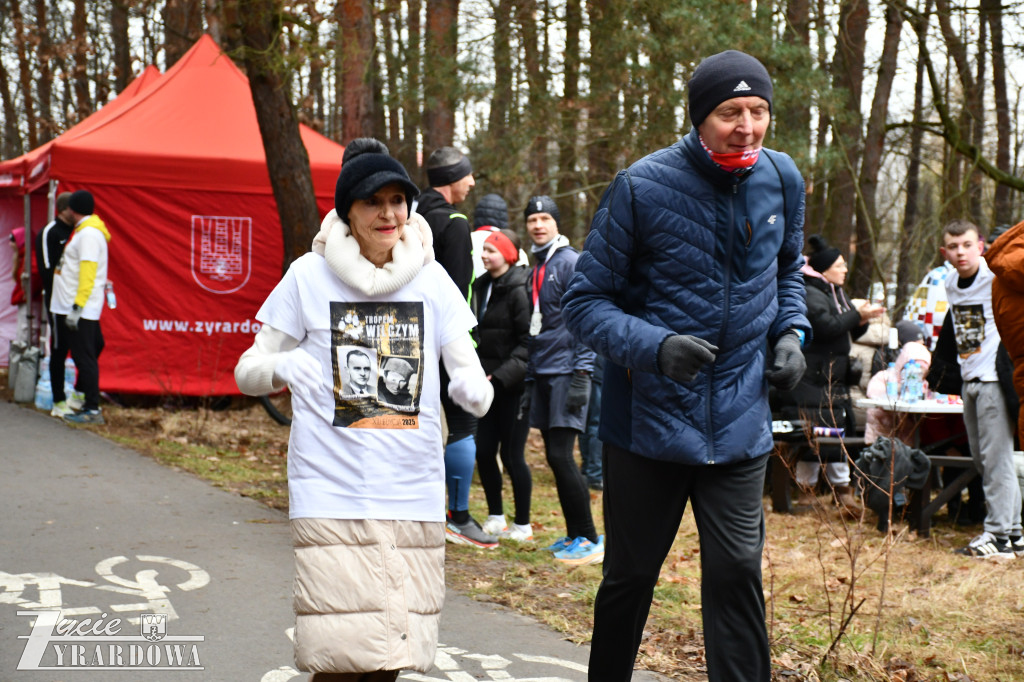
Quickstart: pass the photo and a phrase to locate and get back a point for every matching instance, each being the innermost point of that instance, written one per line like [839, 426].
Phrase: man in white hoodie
[77, 303]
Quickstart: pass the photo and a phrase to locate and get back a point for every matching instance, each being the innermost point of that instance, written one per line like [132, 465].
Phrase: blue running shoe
[559, 545]
[582, 552]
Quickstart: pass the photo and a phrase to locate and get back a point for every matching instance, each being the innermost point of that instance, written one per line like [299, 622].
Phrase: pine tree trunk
[80, 51]
[12, 139]
[848, 75]
[287, 160]
[440, 77]
[905, 277]
[355, 19]
[44, 52]
[21, 39]
[408, 149]
[1003, 200]
[183, 24]
[607, 71]
[568, 177]
[874, 143]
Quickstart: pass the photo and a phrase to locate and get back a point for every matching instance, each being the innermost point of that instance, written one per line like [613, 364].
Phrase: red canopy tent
[179, 174]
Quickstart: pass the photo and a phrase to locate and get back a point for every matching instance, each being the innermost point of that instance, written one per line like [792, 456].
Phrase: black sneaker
[1017, 545]
[987, 546]
[469, 533]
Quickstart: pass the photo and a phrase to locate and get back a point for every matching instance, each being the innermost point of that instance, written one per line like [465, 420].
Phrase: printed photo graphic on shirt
[358, 371]
[969, 324]
[377, 351]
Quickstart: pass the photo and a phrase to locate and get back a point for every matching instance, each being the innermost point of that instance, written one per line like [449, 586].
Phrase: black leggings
[572, 487]
[500, 432]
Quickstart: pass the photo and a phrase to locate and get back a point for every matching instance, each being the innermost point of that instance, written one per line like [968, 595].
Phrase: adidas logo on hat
[741, 87]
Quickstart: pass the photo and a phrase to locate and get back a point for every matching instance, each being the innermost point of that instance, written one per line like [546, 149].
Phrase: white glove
[471, 390]
[73, 317]
[301, 372]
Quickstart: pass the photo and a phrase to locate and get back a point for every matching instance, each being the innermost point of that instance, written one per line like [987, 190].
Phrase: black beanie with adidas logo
[723, 76]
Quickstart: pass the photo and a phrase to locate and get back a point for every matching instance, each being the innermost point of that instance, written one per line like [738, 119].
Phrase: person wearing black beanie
[82, 203]
[822, 256]
[450, 175]
[689, 286]
[824, 390]
[723, 76]
[365, 169]
[79, 284]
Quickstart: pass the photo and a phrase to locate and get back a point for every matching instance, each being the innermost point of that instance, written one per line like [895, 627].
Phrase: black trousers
[644, 501]
[499, 432]
[60, 346]
[573, 493]
[86, 345]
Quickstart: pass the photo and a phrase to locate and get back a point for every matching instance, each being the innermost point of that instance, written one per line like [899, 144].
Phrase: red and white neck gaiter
[732, 162]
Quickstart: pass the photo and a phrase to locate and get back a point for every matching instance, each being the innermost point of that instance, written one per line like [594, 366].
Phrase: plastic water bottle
[70, 375]
[913, 382]
[892, 386]
[44, 395]
[108, 288]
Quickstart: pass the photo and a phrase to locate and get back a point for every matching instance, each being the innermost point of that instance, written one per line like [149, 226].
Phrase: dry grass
[924, 614]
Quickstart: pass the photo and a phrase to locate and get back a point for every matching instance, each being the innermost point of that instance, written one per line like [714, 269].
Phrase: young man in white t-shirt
[989, 428]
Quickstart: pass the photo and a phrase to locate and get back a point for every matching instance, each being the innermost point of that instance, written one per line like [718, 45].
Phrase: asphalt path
[169, 578]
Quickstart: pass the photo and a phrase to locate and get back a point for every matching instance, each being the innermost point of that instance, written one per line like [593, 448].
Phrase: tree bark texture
[848, 76]
[287, 160]
[355, 18]
[1003, 201]
[408, 150]
[80, 50]
[874, 144]
[120, 44]
[24, 71]
[440, 74]
[183, 24]
[569, 115]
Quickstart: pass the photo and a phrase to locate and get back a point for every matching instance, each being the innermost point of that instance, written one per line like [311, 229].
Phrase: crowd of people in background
[655, 348]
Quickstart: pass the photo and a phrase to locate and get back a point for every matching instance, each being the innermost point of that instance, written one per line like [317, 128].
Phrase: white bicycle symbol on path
[143, 594]
[448, 668]
[146, 594]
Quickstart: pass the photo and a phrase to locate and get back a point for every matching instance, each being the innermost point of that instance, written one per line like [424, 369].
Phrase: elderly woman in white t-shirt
[365, 472]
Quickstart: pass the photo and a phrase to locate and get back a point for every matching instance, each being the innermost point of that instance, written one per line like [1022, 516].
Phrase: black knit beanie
[447, 165]
[81, 202]
[907, 331]
[490, 211]
[364, 172]
[542, 204]
[822, 255]
[723, 76]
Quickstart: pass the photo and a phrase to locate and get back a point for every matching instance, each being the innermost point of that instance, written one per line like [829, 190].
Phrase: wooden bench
[796, 446]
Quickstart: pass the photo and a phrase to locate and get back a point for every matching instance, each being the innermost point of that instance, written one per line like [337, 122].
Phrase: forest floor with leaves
[919, 613]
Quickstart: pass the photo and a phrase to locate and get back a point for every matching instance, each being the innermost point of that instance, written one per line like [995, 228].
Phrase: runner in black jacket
[451, 177]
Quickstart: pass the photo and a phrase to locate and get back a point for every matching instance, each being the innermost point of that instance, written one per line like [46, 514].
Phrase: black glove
[789, 364]
[524, 401]
[681, 357]
[579, 391]
[73, 317]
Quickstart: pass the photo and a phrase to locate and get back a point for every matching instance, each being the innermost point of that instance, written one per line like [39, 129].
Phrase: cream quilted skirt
[368, 594]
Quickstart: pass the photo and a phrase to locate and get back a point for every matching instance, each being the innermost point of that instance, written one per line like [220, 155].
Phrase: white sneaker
[61, 410]
[519, 533]
[76, 400]
[495, 525]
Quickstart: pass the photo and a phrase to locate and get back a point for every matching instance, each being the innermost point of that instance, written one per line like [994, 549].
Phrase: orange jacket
[1006, 259]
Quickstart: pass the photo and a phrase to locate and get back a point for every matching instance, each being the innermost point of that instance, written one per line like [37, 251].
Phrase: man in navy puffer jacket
[689, 284]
